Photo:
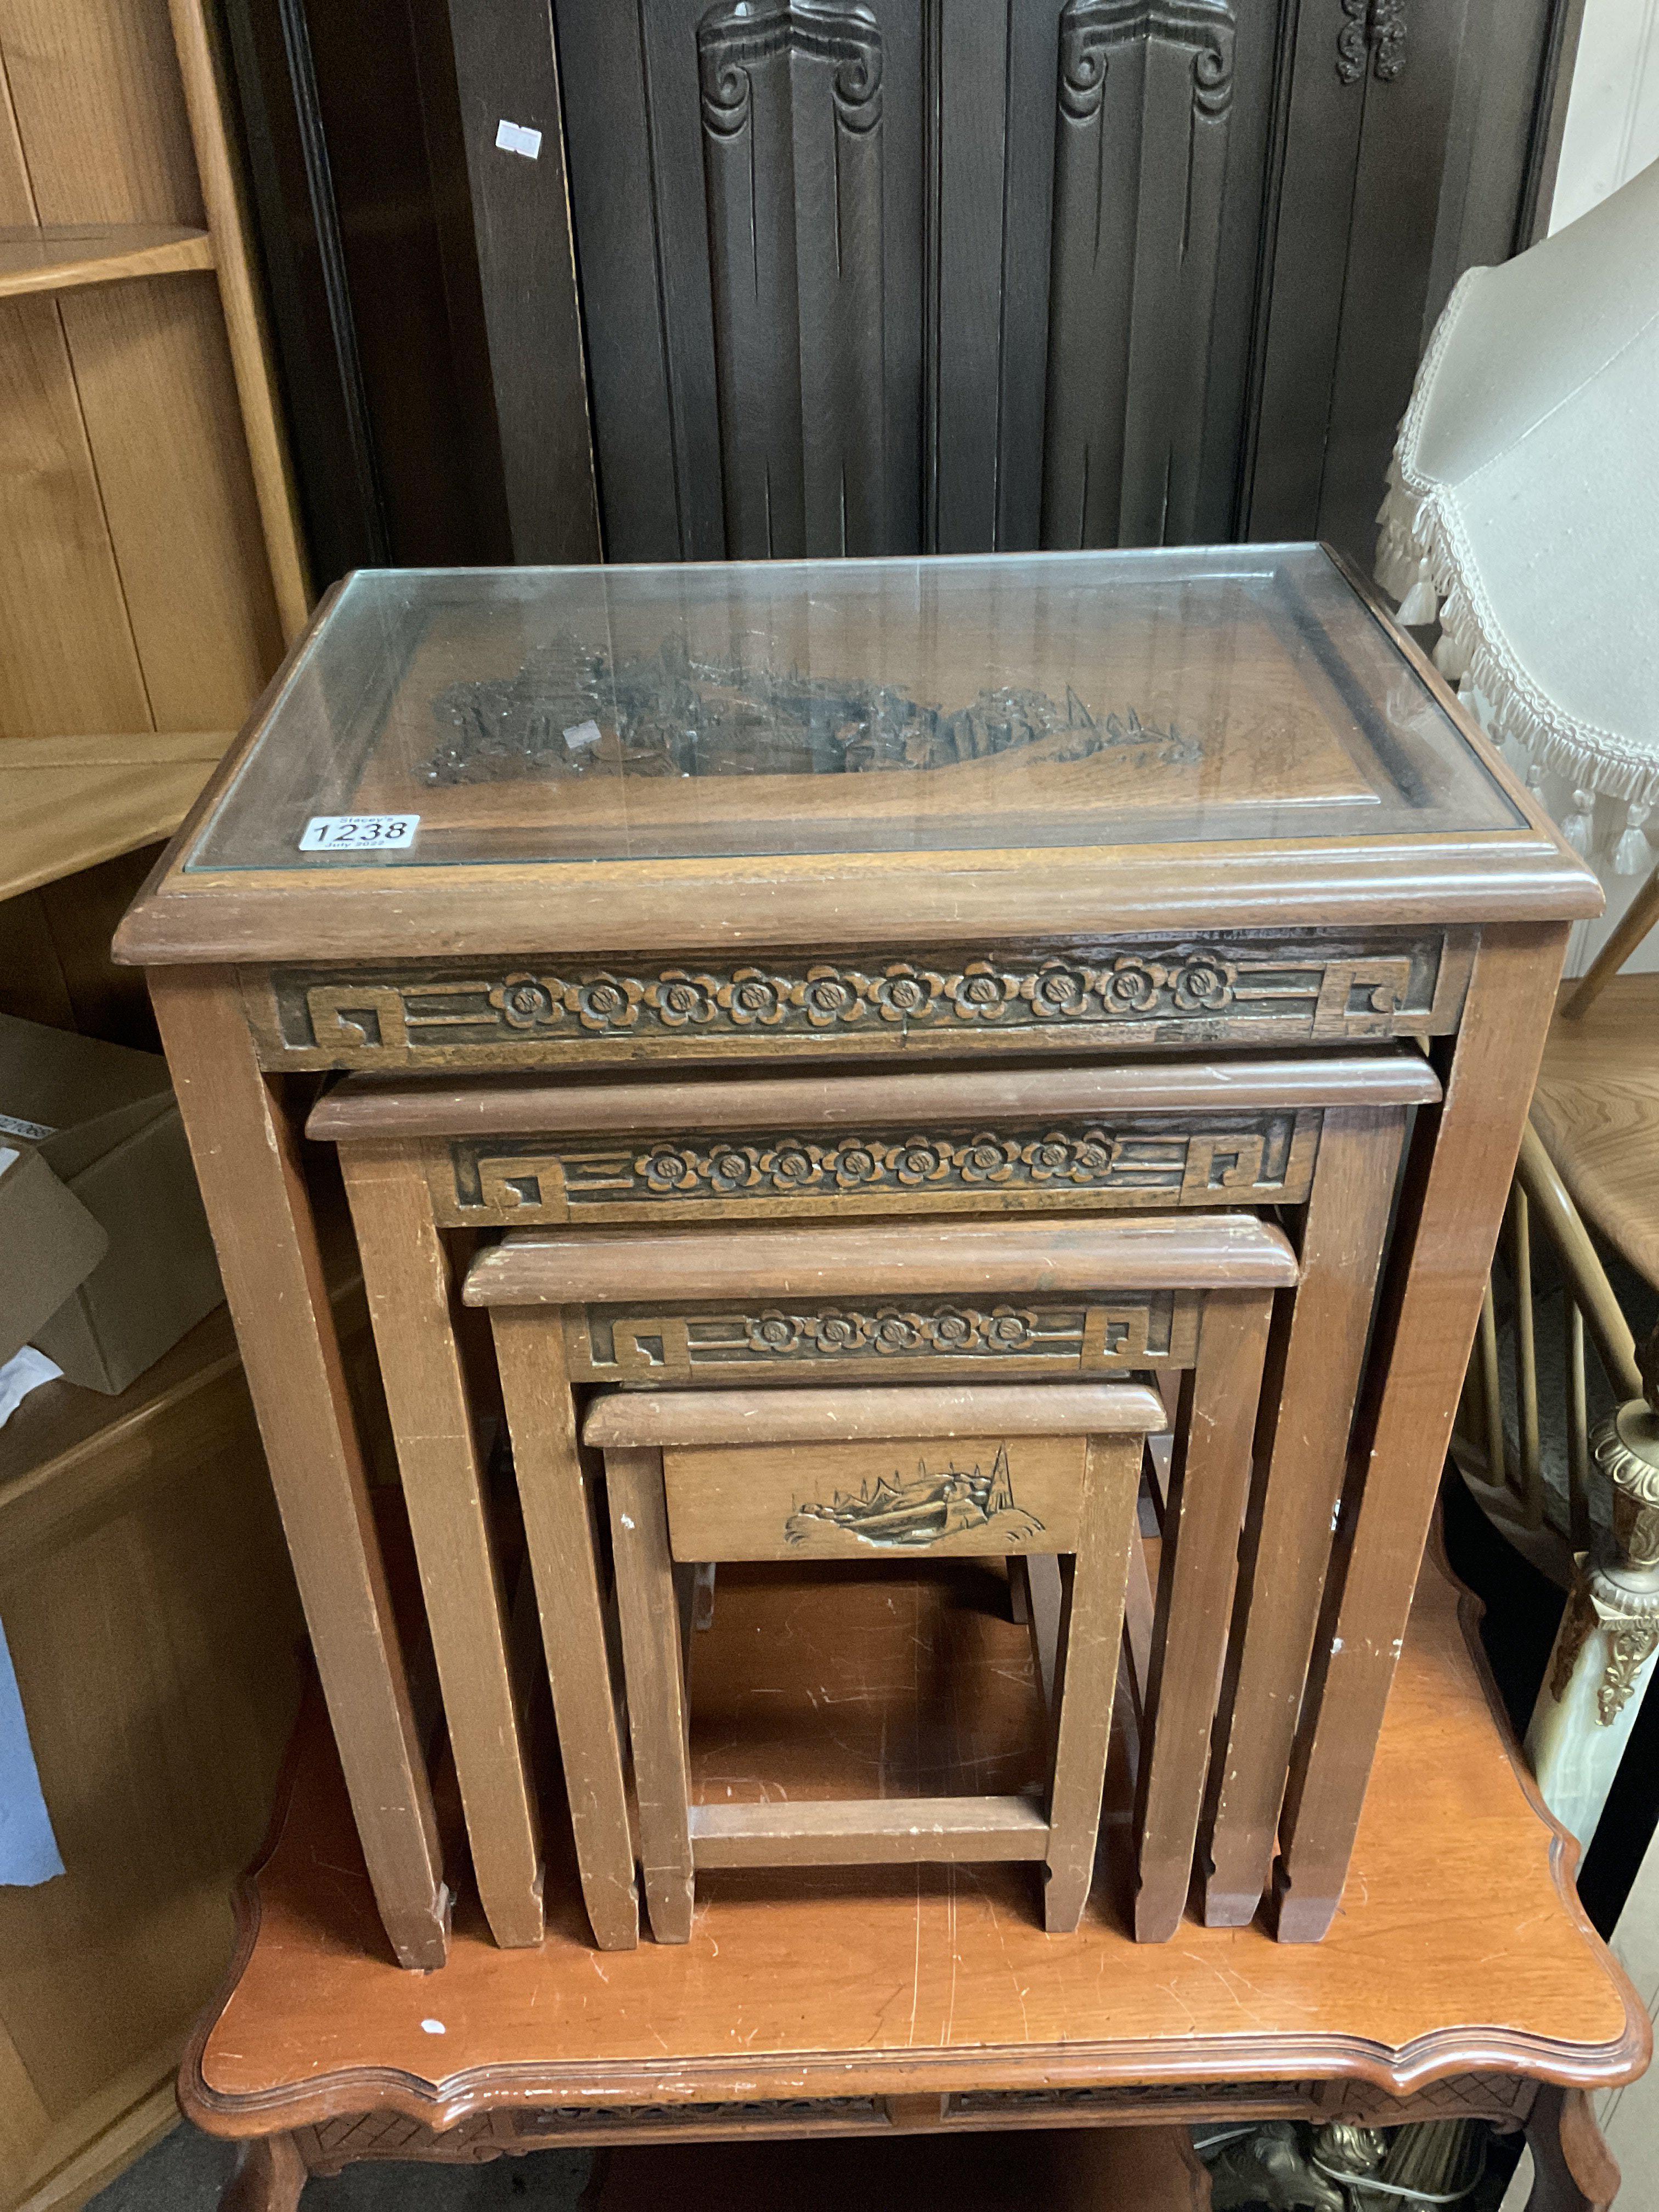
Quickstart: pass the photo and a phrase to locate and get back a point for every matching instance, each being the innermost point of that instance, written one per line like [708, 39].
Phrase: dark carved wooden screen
[1143, 104]
[910, 274]
[894, 277]
[792, 151]
[1361, 195]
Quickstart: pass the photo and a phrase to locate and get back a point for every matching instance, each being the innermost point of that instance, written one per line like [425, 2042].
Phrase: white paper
[28, 1849]
[581, 736]
[518, 138]
[24, 1371]
[15, 1126]
[359, 833]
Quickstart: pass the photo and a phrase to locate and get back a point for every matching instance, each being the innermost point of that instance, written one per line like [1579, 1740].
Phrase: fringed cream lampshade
[1522, 514]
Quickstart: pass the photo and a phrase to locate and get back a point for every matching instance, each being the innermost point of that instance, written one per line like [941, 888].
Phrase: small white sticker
[359, 833]
[14, 1127]
[581, 736]
[434, 2027]
[519, 138]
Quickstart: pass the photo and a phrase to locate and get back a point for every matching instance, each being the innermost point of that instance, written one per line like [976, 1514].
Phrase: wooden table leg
[655, 1672]
[558, 1535]
[270, 2176]
[1043, 1606]
[1573, 2170]
[1314, 1371]
[1090, 1638]
[406, 1275]
[1209, 1483]
[1463, 1157]
[247, 1156]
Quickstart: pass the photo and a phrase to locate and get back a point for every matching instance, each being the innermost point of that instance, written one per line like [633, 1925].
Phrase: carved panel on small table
[1139, 1161]
[1231, 989]
[934, 1339]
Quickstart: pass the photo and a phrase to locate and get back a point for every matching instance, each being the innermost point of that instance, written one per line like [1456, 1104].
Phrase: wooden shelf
[1596, 1109]
[65, 1447]
[68, 802]
[63, 256]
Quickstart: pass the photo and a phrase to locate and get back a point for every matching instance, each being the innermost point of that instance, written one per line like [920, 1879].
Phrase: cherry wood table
[954, 814]
[1459, 1977]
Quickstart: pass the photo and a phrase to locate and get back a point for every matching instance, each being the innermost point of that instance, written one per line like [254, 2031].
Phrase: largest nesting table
[1041, 812]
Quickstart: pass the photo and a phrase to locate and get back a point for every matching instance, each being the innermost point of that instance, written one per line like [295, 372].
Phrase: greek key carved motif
[1257, 1158]
[1174, 994]
[827, 1342]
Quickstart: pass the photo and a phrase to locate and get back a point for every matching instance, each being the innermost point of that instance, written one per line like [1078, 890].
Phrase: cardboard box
[102, 1150]
[49, 1243]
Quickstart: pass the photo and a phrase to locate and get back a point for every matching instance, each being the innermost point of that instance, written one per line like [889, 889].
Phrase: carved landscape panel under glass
[560, 715]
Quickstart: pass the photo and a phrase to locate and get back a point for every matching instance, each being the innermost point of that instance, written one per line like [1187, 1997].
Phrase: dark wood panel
[969, 168]
[887, 278]
[644, 491]
[1145, 100]
[1304, 273]
[364, 224]
[1403, 160]
[1412, 138]
[871, 274]
[794, 157]
[313, 324]
[505, 72]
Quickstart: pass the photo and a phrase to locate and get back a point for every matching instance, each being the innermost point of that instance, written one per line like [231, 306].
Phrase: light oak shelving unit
[152, 569]
[58, 258]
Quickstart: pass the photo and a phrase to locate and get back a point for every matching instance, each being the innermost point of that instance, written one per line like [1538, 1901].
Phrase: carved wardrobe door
[896, 276]
[1408, 143]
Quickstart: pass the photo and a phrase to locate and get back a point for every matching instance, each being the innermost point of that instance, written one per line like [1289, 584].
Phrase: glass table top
[560, 715]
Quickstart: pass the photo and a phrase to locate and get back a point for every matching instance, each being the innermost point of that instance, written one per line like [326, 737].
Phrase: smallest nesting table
[559, 1302]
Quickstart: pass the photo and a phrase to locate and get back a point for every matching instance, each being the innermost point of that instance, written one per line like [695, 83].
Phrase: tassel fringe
[1634, 854]
[1423, 561]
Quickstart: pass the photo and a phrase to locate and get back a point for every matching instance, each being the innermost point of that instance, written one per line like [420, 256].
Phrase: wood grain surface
[633, 1419]
[67, 804]
[247, 1156]
[805, 1983]
[1192, 1251]
[367, 1106]
[570, 1601]
[652, 1665]
[1315, 1365]
[1457, 1178]
[406, 1275]
[1597, 1107]
[606, 907]
[1077, 1699]
[1198, 1567]
[70, 254]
